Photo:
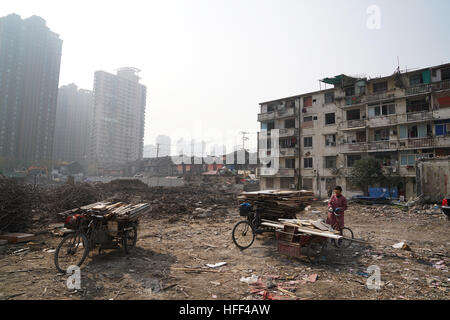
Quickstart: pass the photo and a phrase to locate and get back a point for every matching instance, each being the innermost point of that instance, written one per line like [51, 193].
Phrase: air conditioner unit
[292, 186]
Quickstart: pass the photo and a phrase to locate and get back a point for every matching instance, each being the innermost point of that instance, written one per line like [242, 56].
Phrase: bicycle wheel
[344, 243]
[71, 251]
[129, 240]
[315, 249]
[243, 235]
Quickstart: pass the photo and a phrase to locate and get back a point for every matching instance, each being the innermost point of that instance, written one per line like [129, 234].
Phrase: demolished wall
[432, 176]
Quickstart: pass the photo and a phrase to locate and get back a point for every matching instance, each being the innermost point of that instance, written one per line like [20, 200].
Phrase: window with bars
[307, 142]
[330, 118]
[329, 97]
[330, 162]
[308, 163]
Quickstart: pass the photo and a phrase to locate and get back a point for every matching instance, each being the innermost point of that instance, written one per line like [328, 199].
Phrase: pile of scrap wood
[278, 204]
[111, 211]
[313, 227]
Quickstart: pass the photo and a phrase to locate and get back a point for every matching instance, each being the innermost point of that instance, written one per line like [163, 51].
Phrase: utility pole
[244, 138]
[157, 150]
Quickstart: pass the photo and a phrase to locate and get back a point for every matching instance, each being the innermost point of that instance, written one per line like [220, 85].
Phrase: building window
[330, 140]
[445, 74]
[382, 135]
[380, 87]
[307, 142]
[289, 163]
[308, 163]
[351, 159]
[381, 110]
[290, 104]
[307, 119]
[308, 184]
[354, 114]
[289, 123]
[349, 91]
[419, 105]
[330, 118]
[288, 142]
[410, 159]
[442, 128]
[415, 79]
[329, 97]
[330, 162]
[307, 102]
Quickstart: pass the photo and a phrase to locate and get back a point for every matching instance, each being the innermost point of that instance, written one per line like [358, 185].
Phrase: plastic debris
[216, 265]
[402, 245]
[249, 280]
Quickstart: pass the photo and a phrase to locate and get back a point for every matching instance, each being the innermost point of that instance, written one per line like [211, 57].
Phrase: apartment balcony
[353, 147]
[442, 141]
[383, 121]
[281, 172]
[379, 97]
[419, 116]
[267, 116]
[285, 113]
[291, 132]
[353, 100]
[443, 85]
[382, 146]
[418, 89]
[288, 152]
[416, 143]
[353, 124]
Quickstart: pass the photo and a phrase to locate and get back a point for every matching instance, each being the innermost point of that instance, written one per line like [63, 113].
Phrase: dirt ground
[168, 243]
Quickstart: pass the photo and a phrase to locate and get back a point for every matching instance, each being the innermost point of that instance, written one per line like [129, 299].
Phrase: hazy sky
[208, 63]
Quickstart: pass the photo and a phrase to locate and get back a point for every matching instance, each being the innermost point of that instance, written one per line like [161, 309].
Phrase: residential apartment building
[30, 56]
[397, 119]
[73, 124]
[119, 116]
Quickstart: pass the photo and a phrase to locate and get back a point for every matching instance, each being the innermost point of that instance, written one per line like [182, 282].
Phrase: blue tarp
[379, 194]
[383, 192]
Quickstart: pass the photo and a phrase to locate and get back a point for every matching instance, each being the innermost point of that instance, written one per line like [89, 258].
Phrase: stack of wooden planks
[313, 227]
[277, 204]
[112, 211]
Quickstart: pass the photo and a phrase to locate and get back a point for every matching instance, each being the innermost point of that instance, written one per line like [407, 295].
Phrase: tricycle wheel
[71, 251]
[243, 235]
[315, 248]
[344, 243]
[129, 240]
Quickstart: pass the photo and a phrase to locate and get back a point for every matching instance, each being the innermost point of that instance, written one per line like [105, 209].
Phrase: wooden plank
[325, 234]
[319, 225]
[17, 237]
[273, 225]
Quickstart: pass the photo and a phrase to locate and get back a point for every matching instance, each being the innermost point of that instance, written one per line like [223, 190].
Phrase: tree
[367, 172]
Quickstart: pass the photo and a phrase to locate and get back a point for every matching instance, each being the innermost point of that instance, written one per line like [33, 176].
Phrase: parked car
[138, 175]
[445, 207]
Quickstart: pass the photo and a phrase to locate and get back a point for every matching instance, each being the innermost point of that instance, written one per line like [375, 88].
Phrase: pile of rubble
[16, 204]
[23, 206]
